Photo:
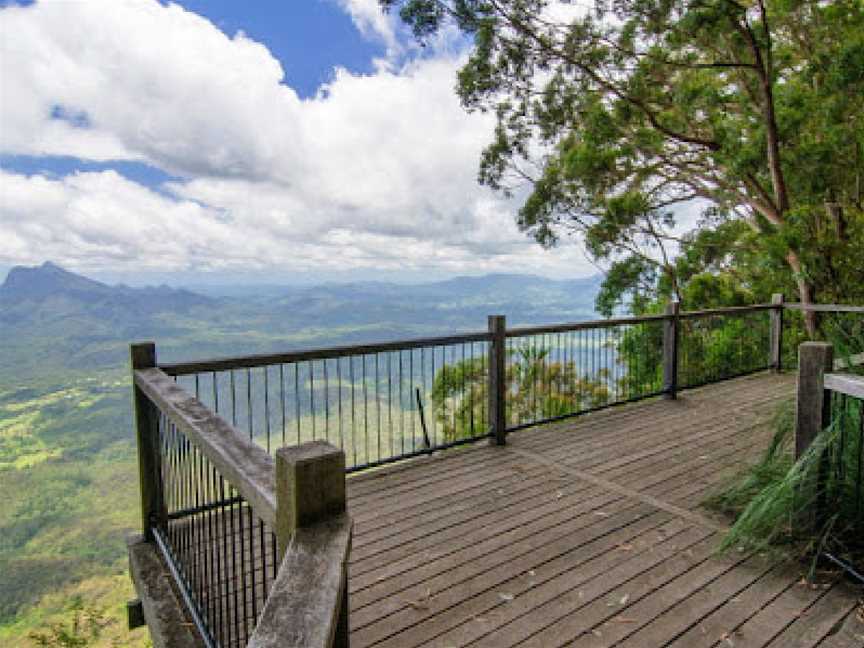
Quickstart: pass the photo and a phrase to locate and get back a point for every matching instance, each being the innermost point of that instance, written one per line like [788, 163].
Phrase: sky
[216, 141]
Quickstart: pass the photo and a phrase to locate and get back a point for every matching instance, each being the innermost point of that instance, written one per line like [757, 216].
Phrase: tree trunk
[805, 294]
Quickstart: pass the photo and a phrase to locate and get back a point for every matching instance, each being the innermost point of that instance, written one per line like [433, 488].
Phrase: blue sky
[224, 141]
[294, 33]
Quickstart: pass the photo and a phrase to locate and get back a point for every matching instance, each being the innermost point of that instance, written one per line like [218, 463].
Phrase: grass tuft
[810, 506]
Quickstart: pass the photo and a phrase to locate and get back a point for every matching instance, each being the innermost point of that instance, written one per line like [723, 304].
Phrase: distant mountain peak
[38, 283]
[35, 282]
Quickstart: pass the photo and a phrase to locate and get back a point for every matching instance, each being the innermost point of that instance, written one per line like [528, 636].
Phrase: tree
[537, 387]
[614, 117]
[85, 627]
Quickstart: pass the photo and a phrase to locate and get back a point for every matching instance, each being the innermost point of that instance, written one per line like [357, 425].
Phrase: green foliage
[631, 275]
[536, 387]
[613, 117]
[67, 453]
[810, 505]
[86, 625]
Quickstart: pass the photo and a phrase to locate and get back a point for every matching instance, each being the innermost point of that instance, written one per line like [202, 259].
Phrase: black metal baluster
[233, 384]
[282, 398]
[326, 403]
[365, 410]
[353, 410]
[339, 401]
[390, 401]
[252, 570]
[431, 395]
[297, 398]
[378, 405]
[234, 561]
[267, 405]
[312, 413]
[249, 402]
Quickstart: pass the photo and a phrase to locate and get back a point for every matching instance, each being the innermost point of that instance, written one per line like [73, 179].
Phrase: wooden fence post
[498, 380]
[777, 332]
[310, 488]
[670, 350]
[813, 411]
[143, 356]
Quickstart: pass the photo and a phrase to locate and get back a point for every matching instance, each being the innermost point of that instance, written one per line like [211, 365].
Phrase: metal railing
[220, 551]
[211, 522]
[842, 477]
[378, 402]
[555, 372]
[390, 401]
[716, 345]
[231, 524]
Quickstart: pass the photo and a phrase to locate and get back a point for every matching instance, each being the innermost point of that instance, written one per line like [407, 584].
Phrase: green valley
[68, 467]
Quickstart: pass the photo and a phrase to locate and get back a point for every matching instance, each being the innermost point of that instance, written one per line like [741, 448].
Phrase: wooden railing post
[777, 332]
[671, 331]
[813, 411]
[498, 380]
[143, 356]
[310, 489]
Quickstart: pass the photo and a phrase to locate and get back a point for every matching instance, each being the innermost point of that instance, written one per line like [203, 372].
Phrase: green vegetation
[67, 472]
[624, 117]
[88, 624]
[68, 464]
[811, 505]
[536, 387]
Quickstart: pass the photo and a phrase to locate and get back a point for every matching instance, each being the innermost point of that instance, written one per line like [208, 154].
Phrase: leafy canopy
[617, 113]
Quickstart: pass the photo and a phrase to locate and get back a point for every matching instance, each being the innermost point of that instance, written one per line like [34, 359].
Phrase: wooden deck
[586, 533]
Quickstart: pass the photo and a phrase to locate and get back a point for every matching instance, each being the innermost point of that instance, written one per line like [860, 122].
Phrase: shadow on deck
[584, 533]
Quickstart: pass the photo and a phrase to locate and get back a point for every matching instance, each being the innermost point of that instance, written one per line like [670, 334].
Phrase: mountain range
[67, 452]
[74, 321]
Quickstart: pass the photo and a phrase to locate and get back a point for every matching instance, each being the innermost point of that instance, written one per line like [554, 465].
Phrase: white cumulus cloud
[376, 171]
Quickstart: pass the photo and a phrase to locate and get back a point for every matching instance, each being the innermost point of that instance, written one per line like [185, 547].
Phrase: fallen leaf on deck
[418, 605]
[504, 596]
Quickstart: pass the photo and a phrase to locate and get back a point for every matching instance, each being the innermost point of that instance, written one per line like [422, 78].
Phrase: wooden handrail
[307, 604]
[245, 465]
[848, 384]
[300, 495]
[824, 308]
[730, 310]
[522, 331]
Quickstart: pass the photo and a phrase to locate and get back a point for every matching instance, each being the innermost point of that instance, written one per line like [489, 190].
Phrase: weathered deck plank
[587, 532]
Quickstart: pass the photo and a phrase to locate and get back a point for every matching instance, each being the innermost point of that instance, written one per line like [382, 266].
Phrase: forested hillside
[67, 457]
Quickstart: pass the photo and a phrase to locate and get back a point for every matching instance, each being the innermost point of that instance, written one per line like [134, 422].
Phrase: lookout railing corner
[257, 546]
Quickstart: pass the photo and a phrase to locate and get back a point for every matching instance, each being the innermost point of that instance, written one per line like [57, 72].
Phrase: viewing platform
[536, 486]
[585, 533]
